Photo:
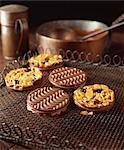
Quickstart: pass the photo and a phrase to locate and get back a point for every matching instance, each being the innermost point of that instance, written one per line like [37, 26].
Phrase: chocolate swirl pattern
[67, 77]
[47, 100]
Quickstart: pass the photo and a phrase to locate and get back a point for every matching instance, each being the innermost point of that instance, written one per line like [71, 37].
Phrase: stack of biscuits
[54, 100]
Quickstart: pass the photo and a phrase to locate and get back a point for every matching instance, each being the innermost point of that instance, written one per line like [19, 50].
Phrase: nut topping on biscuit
[46, 61]
[95, 97]
[22, 78]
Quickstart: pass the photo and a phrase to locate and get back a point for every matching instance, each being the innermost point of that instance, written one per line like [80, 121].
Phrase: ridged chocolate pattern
[47, 99]
[67, 76]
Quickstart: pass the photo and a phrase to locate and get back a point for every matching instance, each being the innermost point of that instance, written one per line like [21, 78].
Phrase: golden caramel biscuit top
[22, 77]
[94, 96]
[45, 60]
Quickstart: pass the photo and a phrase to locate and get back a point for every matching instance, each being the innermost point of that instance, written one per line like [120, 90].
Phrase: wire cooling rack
[70, 130]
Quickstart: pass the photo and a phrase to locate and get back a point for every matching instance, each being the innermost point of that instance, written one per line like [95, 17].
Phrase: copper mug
[14, 30]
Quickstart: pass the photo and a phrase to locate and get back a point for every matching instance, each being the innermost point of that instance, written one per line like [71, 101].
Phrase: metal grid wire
[69, 130]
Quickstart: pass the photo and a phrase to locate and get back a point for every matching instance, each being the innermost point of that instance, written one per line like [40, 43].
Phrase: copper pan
[65, 35]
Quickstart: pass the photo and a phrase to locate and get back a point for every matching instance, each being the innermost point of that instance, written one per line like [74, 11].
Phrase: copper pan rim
[92, 25]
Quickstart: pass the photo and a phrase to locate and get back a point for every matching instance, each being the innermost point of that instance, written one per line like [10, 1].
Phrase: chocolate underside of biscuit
[67, 77]
[50, 113]
[47, 100]
[101, 109]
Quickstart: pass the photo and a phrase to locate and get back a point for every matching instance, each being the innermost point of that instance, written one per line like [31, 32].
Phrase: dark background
[43, 11]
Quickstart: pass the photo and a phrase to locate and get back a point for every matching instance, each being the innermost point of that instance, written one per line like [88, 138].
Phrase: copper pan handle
[22, 24]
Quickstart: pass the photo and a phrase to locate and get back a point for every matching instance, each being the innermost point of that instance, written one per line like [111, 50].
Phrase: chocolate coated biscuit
[47, 100]
[67, 77]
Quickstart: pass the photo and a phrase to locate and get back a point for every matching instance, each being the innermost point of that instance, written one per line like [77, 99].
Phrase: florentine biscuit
[23, 78]
[47, 101]
[46, 61]
[97, 97]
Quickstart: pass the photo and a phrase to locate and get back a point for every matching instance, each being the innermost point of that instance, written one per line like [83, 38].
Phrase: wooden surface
[117, 47]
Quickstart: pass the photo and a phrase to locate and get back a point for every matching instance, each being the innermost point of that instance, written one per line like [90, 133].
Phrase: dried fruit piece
[84, 90]
[98, 90]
